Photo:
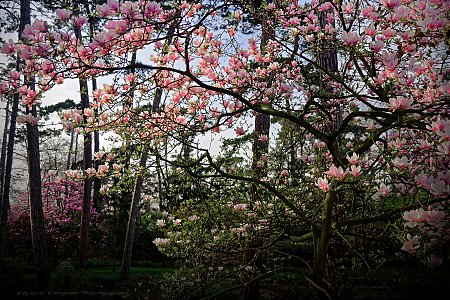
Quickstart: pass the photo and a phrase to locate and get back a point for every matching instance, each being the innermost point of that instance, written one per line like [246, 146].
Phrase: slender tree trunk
[4, 146]
[97, 181]
[129, 238]
[69, 155]
[87, 163]
[10, 149]
[4, 204]
[259, 148]
[75, 153]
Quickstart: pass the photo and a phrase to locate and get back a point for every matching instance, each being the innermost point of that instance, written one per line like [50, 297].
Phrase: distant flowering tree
[62, 202]
[375, 132]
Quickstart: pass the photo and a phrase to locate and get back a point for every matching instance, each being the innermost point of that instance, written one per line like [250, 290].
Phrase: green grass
[110, 273]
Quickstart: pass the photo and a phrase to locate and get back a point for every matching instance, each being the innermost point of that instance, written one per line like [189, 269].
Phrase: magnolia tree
[374, 132]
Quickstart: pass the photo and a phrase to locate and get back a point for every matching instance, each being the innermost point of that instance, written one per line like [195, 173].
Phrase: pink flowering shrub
[62, 204]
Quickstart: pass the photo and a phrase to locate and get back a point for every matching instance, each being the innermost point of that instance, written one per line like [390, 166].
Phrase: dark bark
[259, 148]
[131, 228]
[69, 155]
[97, 181]
[87, 163]
[4, 147]
[327, 59]
[34, 173]
[4, 205]
[10, 149]
[36, 211]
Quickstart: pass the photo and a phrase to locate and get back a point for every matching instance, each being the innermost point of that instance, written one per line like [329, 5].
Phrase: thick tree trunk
[322, 241]
[34, 173]
[36, 211]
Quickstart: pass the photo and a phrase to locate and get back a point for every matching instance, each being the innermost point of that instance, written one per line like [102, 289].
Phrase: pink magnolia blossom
[160, 223]
[400, 103]
[384, 190]
[351, 38]
[99, 155]
[79, 21]
[239, 131]
[353, 159]
[263, 138]
[323, 184]
[102, 170]
[159, 242]
[240, 206]
[401, 163]
[284, 173]
[90, 172]
[411, 244]
[62, 14]
[336, 172]
[104, 189]
[376, 46]
[355, 170]
[414, 217]
[391, 4]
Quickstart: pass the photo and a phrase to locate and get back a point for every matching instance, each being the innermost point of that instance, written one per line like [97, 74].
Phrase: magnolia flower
[110, 156]
[336, 172]
[240, 206]
[99, 155]
[194, 218]
[323, 184]
[102, 169]
[160, 223]
[384, 190]
[391, 4]
[90, 172]
[239, 131]
[263, 138]
[355, 170]
[62, 14]
[159, 242]
[351, 38]
[401, 163]
[284, 173]
[411, 244]
[400, 103]
[177, 222]
[353, 159]
[80, 21]
[104, 189]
